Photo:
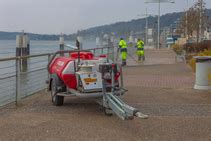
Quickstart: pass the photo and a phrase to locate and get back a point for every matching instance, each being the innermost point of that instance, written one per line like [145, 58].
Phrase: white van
[169, 41]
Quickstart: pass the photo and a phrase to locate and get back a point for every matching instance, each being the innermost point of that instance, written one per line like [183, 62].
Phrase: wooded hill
[12, 36]
[138, 25]
[119, 28]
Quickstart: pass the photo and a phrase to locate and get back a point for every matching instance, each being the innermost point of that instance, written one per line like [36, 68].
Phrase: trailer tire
[56, 100]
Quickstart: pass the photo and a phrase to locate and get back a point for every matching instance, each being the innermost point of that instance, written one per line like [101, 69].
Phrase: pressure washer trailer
[79, 73]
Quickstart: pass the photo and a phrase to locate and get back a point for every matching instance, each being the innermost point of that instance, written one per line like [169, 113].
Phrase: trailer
[78, 73]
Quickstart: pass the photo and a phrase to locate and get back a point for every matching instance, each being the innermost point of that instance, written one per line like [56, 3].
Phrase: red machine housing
[83, 55]
[58, 66]
[65, 67]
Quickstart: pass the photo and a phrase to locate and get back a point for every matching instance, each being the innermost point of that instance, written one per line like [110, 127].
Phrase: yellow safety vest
[140, 45]
[123, 46]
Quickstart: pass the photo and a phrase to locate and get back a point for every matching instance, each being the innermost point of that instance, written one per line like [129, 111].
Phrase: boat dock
[159, 87]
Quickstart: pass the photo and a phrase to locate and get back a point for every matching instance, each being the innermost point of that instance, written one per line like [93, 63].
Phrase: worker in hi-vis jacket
[140, 50]
[123, 49]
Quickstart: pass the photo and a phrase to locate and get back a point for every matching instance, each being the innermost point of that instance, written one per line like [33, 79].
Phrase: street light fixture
[159, 1]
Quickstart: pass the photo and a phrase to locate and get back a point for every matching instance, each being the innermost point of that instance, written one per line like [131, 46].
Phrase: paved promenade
[159, 87]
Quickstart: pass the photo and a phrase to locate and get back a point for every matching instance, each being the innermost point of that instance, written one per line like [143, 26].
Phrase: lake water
[34, 79]
[8, 47]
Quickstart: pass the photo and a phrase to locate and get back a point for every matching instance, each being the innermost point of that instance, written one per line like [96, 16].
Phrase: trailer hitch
[120, 108]
[111, 101]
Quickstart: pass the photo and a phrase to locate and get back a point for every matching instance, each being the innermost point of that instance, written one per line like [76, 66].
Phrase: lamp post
[200, 21]
[186, 21]
[146, 28]
[146, 15]
[159, 1]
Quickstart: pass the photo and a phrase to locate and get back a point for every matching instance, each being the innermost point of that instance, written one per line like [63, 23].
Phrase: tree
[194, 19]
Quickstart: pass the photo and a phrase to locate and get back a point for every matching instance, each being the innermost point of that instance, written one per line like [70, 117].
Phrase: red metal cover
[57, 67]
[83, 55]
[70, 80]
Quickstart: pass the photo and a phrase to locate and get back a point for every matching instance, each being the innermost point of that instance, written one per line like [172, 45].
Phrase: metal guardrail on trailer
[16, 84]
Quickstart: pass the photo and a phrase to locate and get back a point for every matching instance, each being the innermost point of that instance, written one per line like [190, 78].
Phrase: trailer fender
[59, 83]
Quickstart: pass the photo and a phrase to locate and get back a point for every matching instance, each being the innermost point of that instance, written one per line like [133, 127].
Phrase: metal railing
[17, 83]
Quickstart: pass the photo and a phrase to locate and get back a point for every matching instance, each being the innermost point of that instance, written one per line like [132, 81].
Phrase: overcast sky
[68, 16]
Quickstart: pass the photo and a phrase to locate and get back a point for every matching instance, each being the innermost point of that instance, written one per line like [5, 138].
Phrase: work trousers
[124, 57]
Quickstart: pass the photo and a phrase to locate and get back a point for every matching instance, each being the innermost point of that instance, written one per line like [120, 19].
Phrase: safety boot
[139, 58]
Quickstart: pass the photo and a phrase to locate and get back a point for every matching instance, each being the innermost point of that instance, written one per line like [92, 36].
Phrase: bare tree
[196, 20]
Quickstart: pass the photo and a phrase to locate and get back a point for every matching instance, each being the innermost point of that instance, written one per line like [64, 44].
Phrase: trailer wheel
[56, 100]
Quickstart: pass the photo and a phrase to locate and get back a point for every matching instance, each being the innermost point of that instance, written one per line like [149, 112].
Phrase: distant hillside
[134, 25]
[12, 36]
[138, 25]
[119, 28]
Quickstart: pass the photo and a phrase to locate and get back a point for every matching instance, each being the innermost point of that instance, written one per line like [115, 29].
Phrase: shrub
[192, 62]
[177, 48]
[196, 47]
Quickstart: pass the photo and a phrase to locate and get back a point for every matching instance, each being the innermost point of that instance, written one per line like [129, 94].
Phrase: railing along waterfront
[17, 82]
